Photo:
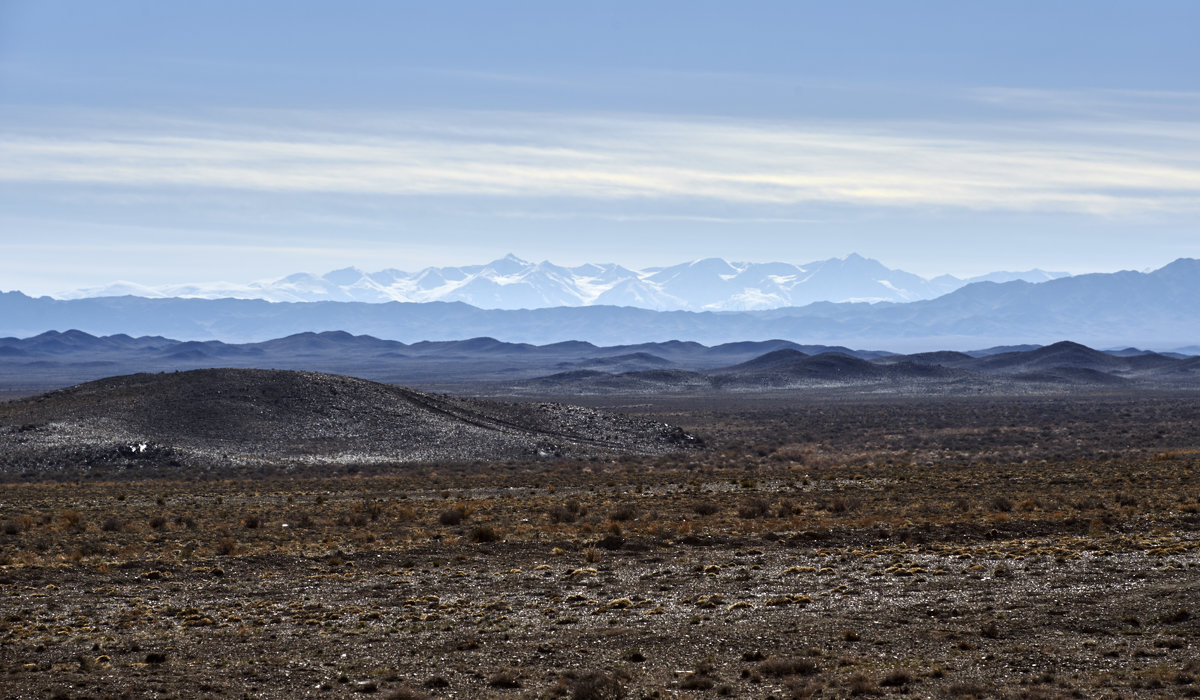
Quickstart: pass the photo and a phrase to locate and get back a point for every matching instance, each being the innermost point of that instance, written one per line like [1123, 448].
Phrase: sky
[161, 142]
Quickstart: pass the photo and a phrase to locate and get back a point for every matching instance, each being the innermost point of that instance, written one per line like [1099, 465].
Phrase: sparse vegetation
[734, 572]
[623, 513]
[753, 508]
[453, 516]
[567, 512]
[484, 533]
[787, 666]
[505, 678]
[596, 685]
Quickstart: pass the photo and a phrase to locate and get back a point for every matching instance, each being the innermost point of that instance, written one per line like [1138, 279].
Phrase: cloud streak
[1108, 169]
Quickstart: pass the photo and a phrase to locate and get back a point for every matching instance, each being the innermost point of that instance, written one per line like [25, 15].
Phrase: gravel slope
[242, 416]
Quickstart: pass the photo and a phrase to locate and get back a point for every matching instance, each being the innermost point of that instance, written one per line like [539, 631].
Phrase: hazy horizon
[377, 267]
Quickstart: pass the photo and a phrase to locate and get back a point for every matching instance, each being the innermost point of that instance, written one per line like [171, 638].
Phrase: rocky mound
[242, 416]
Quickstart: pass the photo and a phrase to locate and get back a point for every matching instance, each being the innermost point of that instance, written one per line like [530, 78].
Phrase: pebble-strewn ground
[874, 560]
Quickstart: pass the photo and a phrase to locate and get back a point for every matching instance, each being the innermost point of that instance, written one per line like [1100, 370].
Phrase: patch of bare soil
[866, 555]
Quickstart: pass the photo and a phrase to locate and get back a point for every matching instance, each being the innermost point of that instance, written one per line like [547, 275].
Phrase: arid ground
[822, 546]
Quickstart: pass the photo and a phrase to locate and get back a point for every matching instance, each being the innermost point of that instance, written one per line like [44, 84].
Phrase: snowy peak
[709, 284]
[506, 266]
[344, 277]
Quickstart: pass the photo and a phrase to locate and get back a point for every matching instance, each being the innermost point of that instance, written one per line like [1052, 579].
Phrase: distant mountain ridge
[711, 284]
[56, 359]
[1156, 310]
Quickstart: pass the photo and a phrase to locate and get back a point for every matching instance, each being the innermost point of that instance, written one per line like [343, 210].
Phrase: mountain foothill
[221, 380]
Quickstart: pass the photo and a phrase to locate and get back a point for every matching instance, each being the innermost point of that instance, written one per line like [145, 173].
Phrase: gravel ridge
[251, 416]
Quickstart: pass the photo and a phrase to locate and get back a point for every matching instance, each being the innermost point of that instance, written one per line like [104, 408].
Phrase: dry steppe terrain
[823, 545]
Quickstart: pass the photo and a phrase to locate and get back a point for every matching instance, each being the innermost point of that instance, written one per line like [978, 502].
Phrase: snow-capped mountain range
[711, 284]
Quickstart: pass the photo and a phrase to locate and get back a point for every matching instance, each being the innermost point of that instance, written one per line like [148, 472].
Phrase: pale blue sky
[170, 141]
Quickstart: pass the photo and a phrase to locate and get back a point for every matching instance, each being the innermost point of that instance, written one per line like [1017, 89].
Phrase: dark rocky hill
[237, 416]
[769, 361]
[1066, 354]
[631, 362]
[485, 366]
[56, 359]
[1064, 366]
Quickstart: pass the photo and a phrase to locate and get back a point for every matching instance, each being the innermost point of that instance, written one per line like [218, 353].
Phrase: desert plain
[817, 544]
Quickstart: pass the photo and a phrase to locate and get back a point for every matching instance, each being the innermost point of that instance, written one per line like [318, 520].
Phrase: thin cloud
[694, 218]
[1108, 102]
[1115, 169]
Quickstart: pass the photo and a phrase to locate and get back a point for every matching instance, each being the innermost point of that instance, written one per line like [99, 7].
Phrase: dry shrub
[1180, 615]
[896, 678]
[484, 533]
[558, 514]
[73, 520]
[567, 512]
[967, 689]
[802, 690]
[754, 508]
[706, 508]
[859, 684]
[597, 685]
[453, 516]
[623, 513]
[352, 520]
[788, 666]
[792, 452]
[372, 510]
[611, 542]
[505, 678]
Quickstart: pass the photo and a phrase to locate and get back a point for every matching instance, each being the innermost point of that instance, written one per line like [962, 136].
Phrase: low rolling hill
[221, 417]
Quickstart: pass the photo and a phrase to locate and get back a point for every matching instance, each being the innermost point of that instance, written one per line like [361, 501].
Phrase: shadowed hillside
[237, 416]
